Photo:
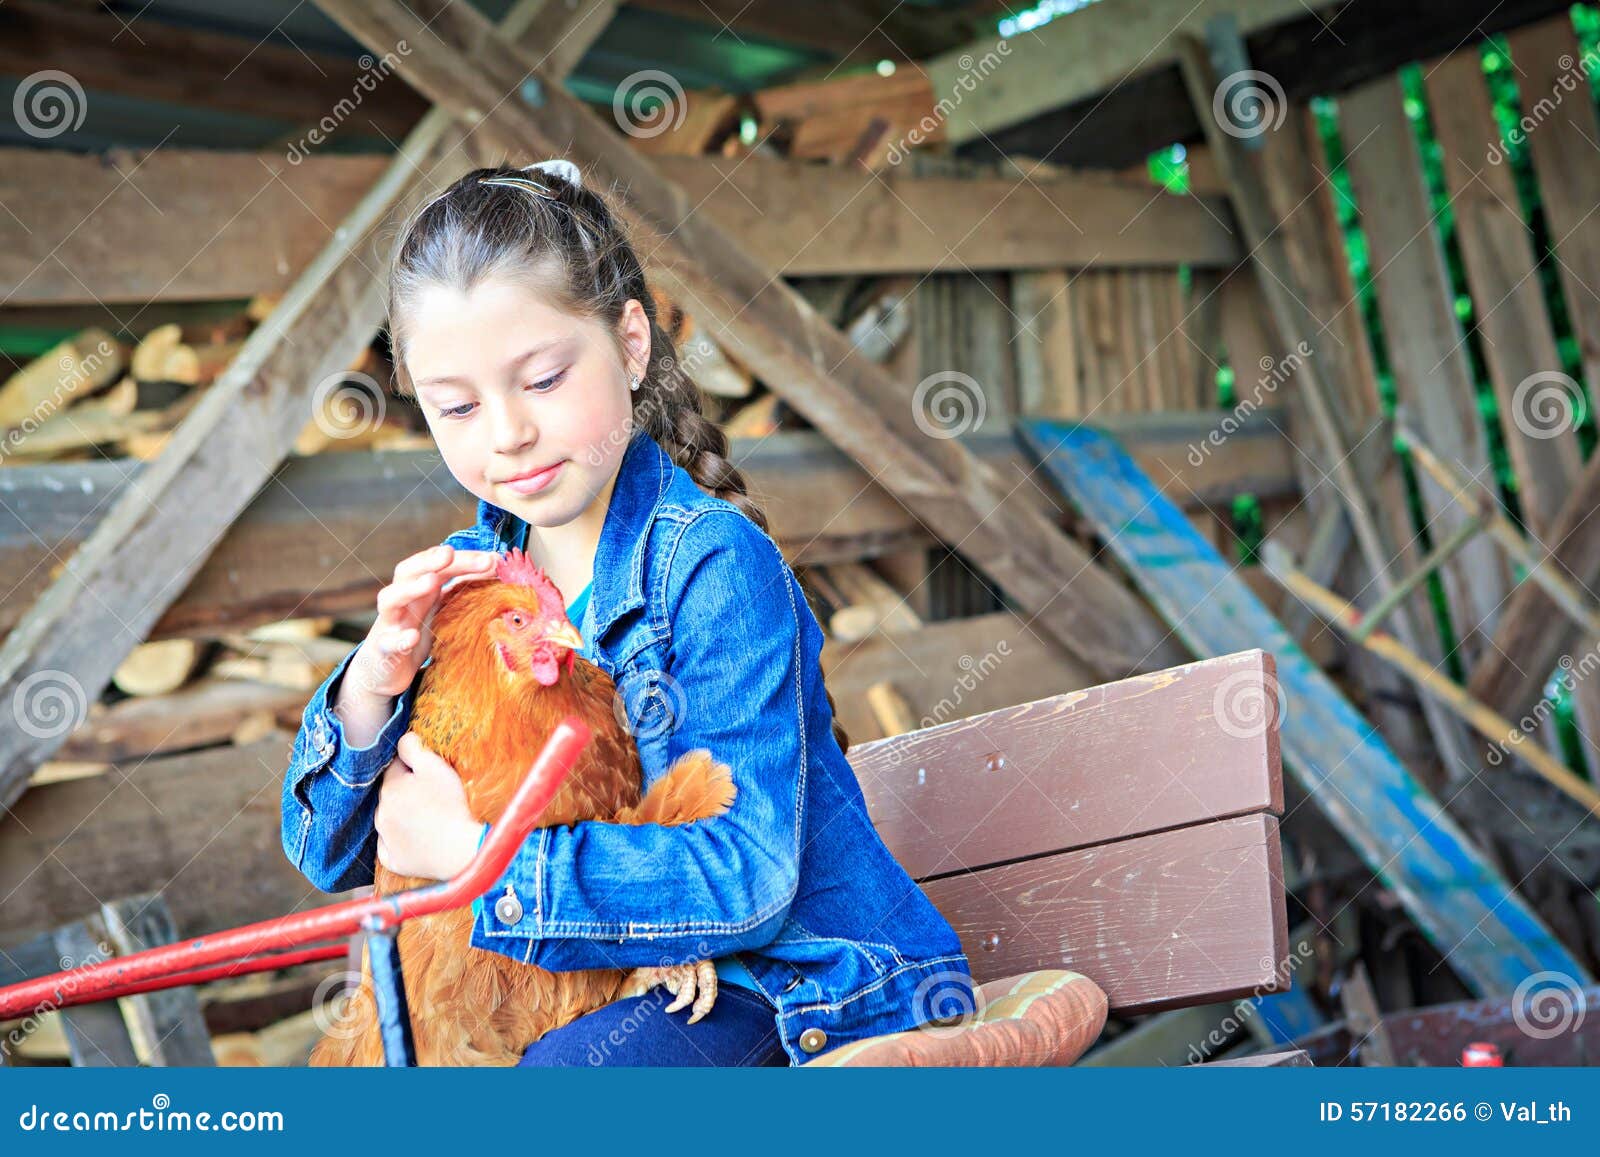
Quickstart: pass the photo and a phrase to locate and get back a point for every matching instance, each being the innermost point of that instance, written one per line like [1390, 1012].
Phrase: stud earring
[633, 383]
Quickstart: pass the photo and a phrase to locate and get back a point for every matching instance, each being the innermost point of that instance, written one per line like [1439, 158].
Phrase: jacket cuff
[511, 914]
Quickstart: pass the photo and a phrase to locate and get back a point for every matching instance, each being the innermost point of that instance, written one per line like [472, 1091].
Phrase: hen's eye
[516, 619]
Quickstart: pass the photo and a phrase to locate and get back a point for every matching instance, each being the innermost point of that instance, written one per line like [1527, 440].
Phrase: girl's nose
[514, 429]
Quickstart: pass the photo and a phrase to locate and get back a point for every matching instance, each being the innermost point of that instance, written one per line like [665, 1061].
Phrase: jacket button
[508, 908]
[812, 1040]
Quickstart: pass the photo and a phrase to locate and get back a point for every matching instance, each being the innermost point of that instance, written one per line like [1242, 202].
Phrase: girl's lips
[536, 482]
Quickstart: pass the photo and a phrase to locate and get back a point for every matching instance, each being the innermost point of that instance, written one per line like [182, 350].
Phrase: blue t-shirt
[729, 970]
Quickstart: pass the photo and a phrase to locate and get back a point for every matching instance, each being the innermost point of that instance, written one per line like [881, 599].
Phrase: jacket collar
[642, 481]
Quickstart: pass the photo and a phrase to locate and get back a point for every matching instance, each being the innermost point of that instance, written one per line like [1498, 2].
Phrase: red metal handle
[172, 965]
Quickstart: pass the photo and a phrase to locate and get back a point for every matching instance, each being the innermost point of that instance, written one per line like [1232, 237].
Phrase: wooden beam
[762, 322]
[135, 219]
[154, 540]
[997, 81]
[804, 219]
[323, 534]
[1306, 56]
[1433, 376]
[1502, 272]
[168, 225]
[149, 60]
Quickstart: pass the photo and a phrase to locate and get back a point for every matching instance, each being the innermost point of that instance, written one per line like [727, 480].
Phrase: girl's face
[512, 387]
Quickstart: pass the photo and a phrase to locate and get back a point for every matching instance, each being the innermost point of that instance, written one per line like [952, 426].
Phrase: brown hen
[504, 671]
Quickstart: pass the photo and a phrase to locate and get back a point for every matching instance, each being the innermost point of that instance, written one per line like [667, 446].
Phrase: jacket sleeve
[598, 895]
[328, 801]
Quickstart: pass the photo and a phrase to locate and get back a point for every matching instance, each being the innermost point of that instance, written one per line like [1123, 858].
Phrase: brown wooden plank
[1153, 752]
[137, 219]
[1159, 921]
[1047, 356]
[1502, 271]
[170, 224]
[1563, 143]
[1433, 376]
[196, 67]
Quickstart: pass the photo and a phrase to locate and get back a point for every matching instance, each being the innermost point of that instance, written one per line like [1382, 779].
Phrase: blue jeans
[740, 1030]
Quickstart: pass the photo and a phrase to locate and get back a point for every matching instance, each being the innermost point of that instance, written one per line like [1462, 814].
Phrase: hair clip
[559, 166]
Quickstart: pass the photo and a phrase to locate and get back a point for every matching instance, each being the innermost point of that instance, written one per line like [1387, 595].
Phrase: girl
[521, 322]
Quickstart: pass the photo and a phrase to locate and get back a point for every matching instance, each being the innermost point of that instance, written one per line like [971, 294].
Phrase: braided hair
[542, 228]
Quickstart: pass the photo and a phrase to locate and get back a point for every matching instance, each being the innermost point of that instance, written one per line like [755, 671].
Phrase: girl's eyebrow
[512, 365]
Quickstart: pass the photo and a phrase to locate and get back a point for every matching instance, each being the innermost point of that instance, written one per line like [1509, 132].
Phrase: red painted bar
[172, 965]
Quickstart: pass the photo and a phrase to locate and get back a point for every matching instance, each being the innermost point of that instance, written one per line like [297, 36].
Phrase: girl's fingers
[423, 562]
[447, 562]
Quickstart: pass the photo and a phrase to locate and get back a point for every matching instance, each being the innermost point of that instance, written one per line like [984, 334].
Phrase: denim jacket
[703, 626]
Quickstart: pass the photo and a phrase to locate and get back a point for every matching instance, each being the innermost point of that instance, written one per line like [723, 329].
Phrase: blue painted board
[1487, 933]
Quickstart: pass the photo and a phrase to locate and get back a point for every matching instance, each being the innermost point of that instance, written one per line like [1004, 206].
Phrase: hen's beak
[566, 635]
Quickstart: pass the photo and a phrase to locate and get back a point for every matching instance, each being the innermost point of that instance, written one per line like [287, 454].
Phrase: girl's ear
[636, 335]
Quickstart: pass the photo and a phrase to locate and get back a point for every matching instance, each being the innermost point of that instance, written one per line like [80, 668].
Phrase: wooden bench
[1126, 834]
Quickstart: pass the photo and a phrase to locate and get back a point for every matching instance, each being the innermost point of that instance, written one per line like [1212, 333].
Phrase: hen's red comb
[517, 568]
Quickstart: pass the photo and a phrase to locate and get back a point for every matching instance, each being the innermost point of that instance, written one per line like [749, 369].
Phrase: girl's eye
[547, 384]
[460, 411]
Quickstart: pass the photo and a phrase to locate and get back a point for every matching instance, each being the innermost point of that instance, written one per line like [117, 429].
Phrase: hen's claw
[692, 985]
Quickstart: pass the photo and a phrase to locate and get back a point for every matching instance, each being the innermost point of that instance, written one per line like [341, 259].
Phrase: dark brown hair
[561, 240]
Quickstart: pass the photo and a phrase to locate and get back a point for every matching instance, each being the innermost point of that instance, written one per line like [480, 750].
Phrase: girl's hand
[400, 639]
[424, 827]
